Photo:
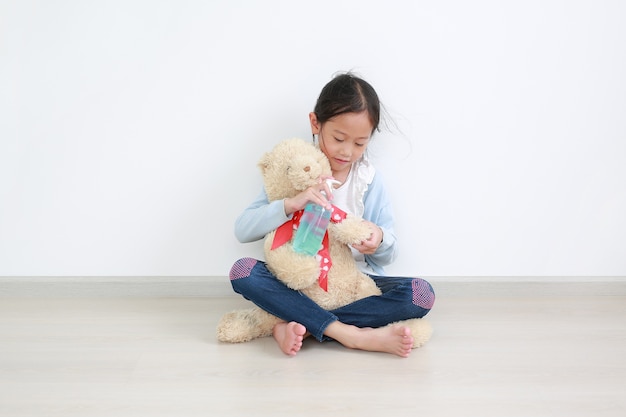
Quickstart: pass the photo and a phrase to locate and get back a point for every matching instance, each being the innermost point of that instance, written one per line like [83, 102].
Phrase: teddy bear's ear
[265, 162]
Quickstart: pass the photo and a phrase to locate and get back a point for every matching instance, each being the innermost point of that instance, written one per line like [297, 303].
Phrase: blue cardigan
[261, 217]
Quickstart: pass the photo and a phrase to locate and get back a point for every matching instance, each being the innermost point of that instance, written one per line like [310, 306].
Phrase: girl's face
[343, 139]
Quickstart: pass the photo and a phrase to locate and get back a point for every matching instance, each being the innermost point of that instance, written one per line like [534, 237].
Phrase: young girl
[346, 115]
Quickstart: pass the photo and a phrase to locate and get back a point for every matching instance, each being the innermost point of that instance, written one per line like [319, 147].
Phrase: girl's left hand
[370, 245]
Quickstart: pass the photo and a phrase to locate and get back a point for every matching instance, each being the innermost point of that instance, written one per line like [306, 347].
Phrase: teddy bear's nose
[307, 168]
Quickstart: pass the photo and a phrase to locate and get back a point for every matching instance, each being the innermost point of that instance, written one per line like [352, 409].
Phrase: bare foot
[396, 340]
[289, 337]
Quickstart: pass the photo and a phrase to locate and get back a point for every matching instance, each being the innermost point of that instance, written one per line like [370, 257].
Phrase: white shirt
[349, 198]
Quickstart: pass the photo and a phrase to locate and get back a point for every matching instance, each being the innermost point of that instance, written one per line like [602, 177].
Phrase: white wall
[130, 130]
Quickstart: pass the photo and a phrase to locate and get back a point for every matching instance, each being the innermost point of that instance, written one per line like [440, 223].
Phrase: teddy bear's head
[291, 167]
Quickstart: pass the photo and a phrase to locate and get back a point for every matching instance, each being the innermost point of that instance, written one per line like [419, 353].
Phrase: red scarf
[285, 232]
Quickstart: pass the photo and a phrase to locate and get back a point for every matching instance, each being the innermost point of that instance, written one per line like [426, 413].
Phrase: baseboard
[114, 287]
[61, 287]
[530, 286]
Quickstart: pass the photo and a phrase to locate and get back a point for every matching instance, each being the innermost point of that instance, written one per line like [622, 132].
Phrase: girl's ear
[315, 126]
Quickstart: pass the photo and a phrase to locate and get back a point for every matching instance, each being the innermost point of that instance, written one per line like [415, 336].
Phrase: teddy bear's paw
[244, 325]
[351, 230]
[421, 330]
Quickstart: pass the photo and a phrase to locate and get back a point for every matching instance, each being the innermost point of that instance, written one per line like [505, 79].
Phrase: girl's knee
[239, 274]
[423, 293]
[242, 268]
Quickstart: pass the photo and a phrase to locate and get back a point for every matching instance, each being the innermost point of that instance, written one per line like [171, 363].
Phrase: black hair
[347, 93]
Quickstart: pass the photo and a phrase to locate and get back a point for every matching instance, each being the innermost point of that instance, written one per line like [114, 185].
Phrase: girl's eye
[339, 140]
[360, 145]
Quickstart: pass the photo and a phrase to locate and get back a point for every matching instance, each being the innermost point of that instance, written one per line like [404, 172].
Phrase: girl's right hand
[313, 194]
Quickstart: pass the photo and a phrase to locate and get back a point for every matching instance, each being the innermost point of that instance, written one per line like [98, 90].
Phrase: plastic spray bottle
[313, 225]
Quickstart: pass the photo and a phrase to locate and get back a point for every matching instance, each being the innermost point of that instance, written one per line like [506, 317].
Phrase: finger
[318, 198]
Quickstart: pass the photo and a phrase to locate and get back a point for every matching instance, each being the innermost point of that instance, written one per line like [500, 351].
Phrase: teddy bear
[331, 281]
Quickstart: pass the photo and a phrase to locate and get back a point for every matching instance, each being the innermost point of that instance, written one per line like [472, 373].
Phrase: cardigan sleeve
[260, 218]
[379, 211]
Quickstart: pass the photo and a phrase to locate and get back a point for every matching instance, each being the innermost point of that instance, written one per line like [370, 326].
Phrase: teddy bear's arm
[351, 230]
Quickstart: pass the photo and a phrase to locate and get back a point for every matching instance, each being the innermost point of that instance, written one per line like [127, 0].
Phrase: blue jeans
[402, 298]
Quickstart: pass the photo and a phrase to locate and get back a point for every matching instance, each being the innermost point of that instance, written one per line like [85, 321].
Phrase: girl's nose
[345, 150]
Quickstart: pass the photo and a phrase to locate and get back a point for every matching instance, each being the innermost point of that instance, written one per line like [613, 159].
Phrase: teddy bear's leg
[295, 270]
[244, 325]
[421, 330]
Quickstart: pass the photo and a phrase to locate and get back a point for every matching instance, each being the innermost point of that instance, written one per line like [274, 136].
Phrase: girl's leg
[363, 324]
[402, 299]
[390, 339]
[251, 278]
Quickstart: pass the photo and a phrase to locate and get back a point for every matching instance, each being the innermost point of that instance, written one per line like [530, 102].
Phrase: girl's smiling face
[343, 139]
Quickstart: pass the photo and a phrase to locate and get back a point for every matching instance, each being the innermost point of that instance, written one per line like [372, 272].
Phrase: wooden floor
[501, 357]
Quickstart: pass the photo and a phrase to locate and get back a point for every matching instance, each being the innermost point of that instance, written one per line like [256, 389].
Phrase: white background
[130, 130]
